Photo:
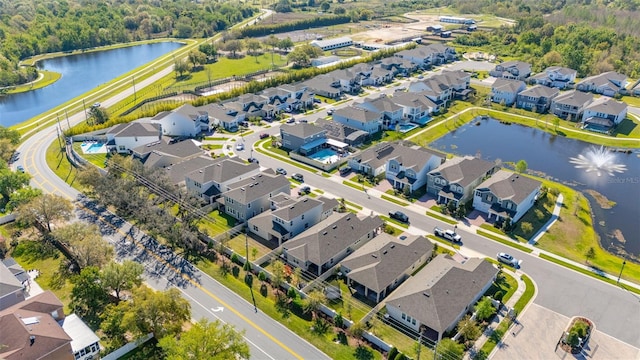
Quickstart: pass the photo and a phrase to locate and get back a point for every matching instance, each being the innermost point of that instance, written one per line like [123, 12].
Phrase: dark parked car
[298, 177]
[264, 135]
[291, 120]
[345, 170]
[399, 215]
[253, 160]
[304, 190]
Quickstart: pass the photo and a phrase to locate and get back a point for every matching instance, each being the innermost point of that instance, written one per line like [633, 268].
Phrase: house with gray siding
[427, 56]
[390, 111]
[383, 263]
[294, 136]
[434, 300]
[456, 179]
[227, 118]
[324, 245]
[12, 290]
[211, 181]
[358, 118]
[609, 83]
[398, 65]
[408, 166]
[537, 98]
[506, 195]
[571, 105]
[340, 132]
[505, 91]
[514, 70]
[416, 108]
[252, 196]
[604, 112]
[555, 76]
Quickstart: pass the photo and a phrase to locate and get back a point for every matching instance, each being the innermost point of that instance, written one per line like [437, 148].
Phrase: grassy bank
[45, 78]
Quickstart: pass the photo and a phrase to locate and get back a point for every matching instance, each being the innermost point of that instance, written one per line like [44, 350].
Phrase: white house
[126, 137]
[555, 77]
[606, 108]
[506, 90]
[358, 118]
[185, 121]
[331, 44]
[391, 112]
[506, 195]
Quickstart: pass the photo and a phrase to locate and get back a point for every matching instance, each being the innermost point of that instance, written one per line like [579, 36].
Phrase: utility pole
[135, 97]
[272, 50]
[624, 262]
[86, 117]
[67, 115]
[248, 267]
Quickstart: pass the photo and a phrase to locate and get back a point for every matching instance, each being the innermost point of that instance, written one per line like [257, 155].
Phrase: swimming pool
[93, 148]
[403, 128]
[325, 156]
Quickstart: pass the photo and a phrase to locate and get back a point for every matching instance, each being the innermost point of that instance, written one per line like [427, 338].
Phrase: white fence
[125, 349]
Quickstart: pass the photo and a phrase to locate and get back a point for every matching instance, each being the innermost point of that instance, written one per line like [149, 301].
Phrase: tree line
[29, 28]
[266, 29]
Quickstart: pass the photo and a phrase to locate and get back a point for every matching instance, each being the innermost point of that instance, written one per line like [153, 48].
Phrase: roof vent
[324, 233]
[242, 189]
[253, 178]
[32, 339]
[384, 252]
[393, 246]
[374, 255]
[425, 294]
[30, 320]
[334, 227]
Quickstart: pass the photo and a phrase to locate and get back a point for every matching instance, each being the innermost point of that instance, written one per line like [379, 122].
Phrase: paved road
[615, 311]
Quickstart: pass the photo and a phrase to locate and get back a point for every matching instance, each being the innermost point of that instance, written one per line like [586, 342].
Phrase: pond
[578, 164]
[80, 73]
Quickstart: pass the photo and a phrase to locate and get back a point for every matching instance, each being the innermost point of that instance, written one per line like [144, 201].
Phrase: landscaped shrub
[498, 295]
[235, 259]
[235, 271]
[248, 279]
[392, 353]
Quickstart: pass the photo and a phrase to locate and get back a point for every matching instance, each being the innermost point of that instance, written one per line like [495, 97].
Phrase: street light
[624, 262]
[135, 97]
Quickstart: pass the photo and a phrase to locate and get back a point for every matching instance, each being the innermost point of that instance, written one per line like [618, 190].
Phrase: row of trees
[314, 22]
[29, 28]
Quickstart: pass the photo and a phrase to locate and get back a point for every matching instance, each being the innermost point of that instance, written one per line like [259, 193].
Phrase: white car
[239, 146]
[508, 259]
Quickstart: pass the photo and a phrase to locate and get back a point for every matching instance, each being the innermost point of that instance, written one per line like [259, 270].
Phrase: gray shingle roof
[540, 91]
[442, 290]
[135, 129]
[383, 104]
[357, 114]
[222, 171]
[301, 206]
[606, 78]
[574, 98]
[507, 185]
[378, 155]
[248, 190]
[416, 100]
[181, 149]
[523, 67]
[8, 282]
[302, 130]
[190, 111]
[607, 105]
[507, 85]
[177, 172]
[382, 260]
[463, 170]
[330, 237]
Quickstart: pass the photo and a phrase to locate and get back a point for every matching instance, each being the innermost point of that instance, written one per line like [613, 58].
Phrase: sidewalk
[501, 314]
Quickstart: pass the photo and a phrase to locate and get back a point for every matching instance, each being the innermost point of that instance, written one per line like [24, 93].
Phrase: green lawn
[393, 200]
[57, 161]
[394, 221]
[507, 284]
[441, 218]
[212, 146]
[353, 205]
[223, 222]
[238, 245]
[96, 159]
[358, 308]
[353, 185]
[48, 78]
[443, 241]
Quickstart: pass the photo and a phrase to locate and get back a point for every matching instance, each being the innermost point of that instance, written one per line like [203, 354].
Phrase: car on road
[344, 170]
[330, 112]
[281, 171]
[508, 259]
[447, 234]
[298, 177]
[399, 215]
[239, 146]
[304, 190]
[20, 168]
[291, 120]
[264, 136]
[96, 105]
[253, 160]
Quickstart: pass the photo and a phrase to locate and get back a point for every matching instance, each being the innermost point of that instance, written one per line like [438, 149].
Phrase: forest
[32, 27]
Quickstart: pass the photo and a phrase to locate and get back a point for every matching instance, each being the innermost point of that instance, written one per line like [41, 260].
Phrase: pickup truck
[447, 234]
[399, 215]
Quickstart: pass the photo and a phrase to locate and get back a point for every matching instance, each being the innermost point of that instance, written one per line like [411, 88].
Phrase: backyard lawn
[223, 222]
[349, 306]
[238, 245]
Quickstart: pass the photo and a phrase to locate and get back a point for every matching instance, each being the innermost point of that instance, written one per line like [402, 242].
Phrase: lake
[552, 155]
[80, 73]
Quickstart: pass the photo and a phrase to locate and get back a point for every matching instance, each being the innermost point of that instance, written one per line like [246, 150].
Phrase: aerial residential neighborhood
[327, 180]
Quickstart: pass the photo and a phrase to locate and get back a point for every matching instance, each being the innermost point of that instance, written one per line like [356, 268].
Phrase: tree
[299, 58]
[6, 149]
[356, 330]
[98, 115]
[121, 277]
[468, 328]
[88, 296]
[484, 309]
[180, 67]
[22, 196]
[45, 210]
[325, 6]
[313, 301]
[448, 349]
[283, 6]
[521, 166]
[86, 244]
[206, 340]
[209, 50]
[11, 181]
[196, 58]
[277, 274]
[285, 44]
[526, 227]
[556, 123]
[233, 46]
[159, 312]
[253, 45]
[590, 254]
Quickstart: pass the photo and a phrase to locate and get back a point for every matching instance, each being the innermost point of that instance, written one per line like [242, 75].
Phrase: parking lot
[538, 333]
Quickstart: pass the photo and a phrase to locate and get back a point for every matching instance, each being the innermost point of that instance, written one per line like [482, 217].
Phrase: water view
[580, 165]
[80, 73]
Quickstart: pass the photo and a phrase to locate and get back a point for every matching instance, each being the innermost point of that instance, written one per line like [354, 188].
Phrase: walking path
[554, 217]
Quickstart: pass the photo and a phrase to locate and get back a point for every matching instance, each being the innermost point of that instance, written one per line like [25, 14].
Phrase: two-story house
[296, 136]
[325, 85]
[288, 219]
[604, 114]
[537, 98]
[340, 132]
[325, 244]
[391, 112]
[571, 104]
[456, 178]
[12, 291]
[227, 118]
[185, 121]
[514, 70]
[125, 137]
[609, 83]
[398, 65]
[250, 197]
[506, 195]
[434, 300]
[555, 76]
[407, 167]
[505, 91]
[427, 56]
[361, 119]
[166, 152]
[383, 263]
[416, 108]
[300, 97]
[211, 181]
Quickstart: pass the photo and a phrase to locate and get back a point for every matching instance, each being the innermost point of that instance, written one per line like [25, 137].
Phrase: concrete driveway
[537, 335]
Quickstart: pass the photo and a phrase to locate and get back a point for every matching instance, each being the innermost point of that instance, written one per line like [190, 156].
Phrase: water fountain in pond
[599, 161]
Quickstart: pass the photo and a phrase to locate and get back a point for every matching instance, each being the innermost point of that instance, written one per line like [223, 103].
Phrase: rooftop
[511, 186]
[463, 170]
[255, 187]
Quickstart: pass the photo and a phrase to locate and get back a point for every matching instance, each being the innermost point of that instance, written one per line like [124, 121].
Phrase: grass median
[441, 218]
